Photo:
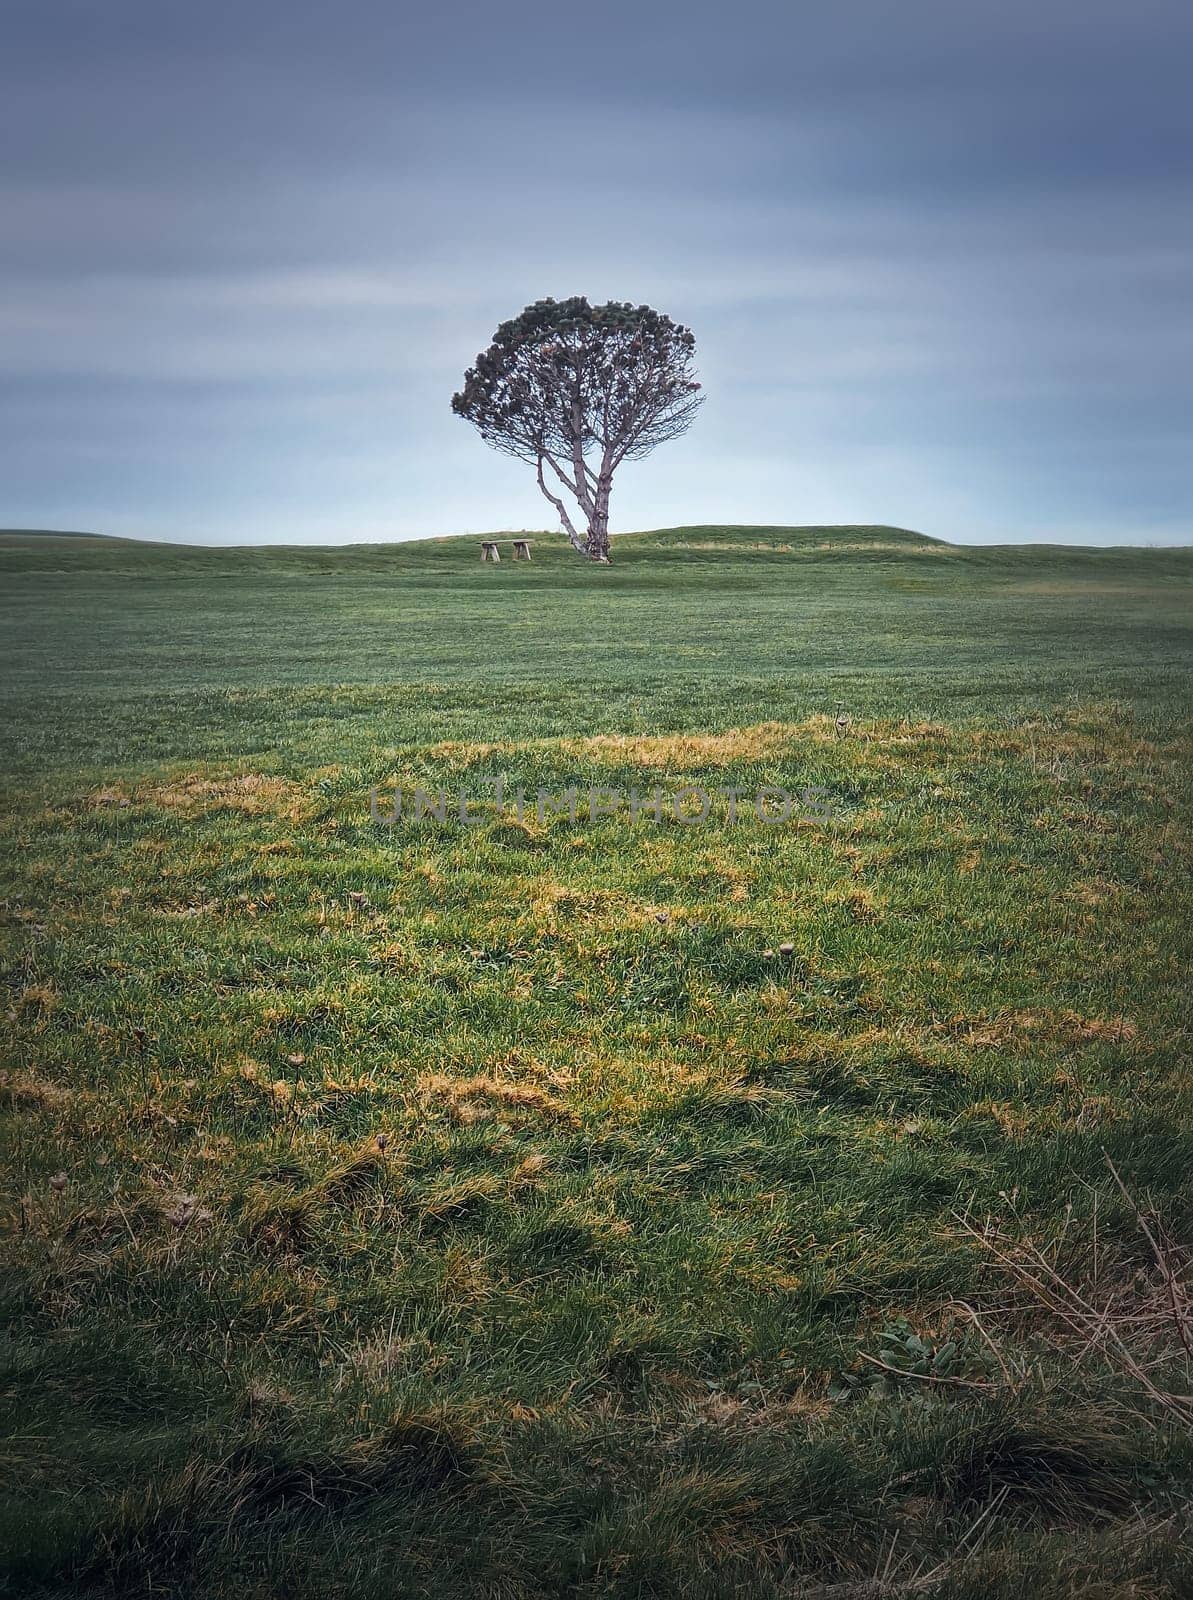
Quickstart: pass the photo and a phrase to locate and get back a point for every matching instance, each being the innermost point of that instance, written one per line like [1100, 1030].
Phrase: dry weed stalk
[1144, 1328]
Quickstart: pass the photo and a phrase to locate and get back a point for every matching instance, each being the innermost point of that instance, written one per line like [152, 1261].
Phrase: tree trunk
[576, 541]
[598, 521]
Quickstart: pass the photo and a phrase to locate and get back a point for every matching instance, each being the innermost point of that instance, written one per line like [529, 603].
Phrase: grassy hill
[173, 651]
[596, 1206]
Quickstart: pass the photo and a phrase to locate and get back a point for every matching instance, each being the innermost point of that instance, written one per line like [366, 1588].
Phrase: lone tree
[578, 389]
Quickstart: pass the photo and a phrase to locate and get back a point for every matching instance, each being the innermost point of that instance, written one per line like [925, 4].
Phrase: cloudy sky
[938, 258]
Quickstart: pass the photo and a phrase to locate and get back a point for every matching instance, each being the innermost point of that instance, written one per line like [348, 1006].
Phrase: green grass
[494, 1211]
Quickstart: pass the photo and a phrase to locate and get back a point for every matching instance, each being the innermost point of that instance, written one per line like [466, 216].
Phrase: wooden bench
[490, 551]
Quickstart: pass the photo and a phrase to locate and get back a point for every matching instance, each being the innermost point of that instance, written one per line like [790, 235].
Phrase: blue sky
[938, 259]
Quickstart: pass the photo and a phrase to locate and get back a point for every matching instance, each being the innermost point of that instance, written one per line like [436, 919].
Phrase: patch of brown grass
[684, 751]
[1059, 1028]
[860, 903]
[472, 1099]
[252, 793]
[24, 1092]
[36, 1000]
[553, 903]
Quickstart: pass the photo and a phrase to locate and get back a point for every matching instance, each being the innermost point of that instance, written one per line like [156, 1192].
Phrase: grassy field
[596, 1207]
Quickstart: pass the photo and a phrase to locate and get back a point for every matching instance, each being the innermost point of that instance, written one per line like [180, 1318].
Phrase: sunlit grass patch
[197, 793]
[686, 753]
[472, 1099]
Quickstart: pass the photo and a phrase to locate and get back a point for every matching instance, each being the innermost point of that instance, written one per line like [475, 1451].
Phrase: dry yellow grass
[250, 793]
[1062, 1028]
[470, 1099]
